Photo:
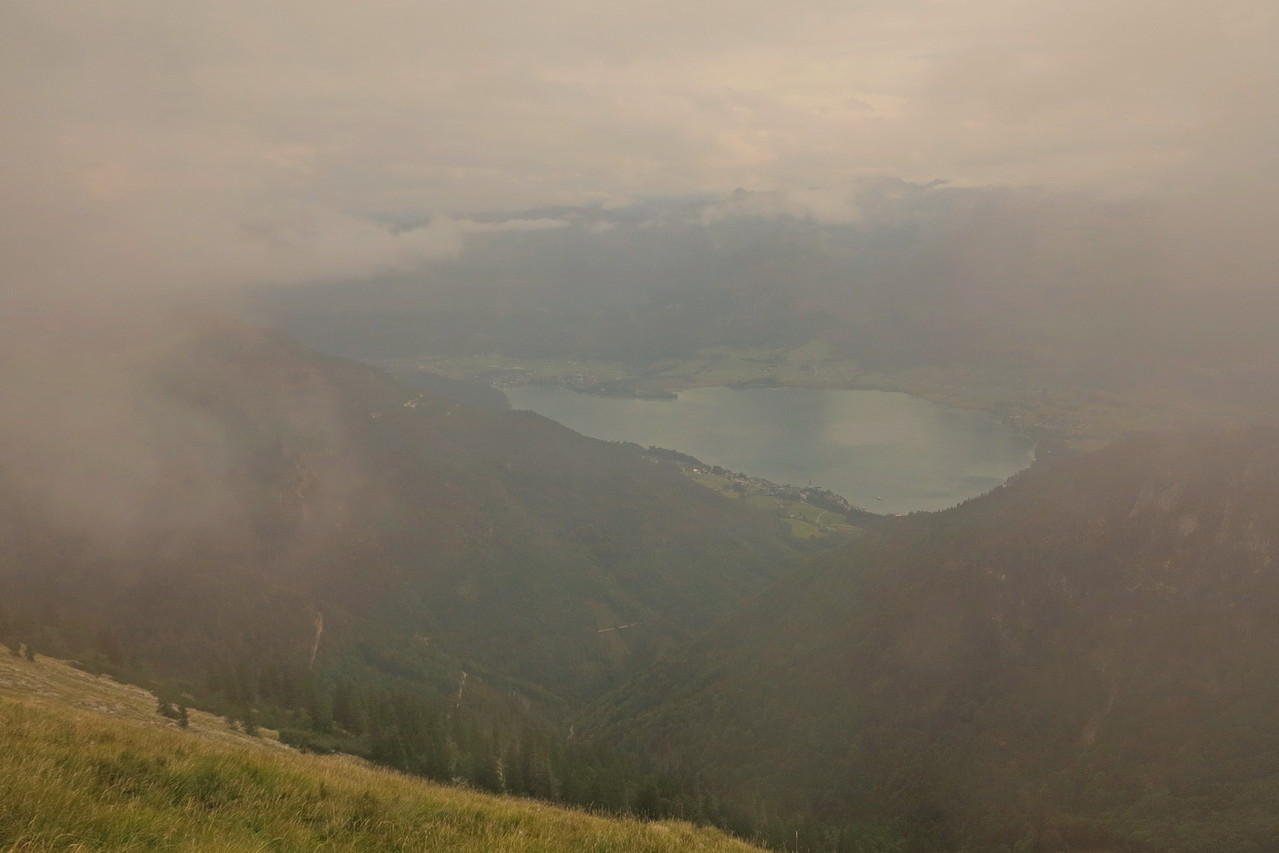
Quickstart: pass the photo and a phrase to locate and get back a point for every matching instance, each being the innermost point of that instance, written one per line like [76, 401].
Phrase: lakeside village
[743, 484]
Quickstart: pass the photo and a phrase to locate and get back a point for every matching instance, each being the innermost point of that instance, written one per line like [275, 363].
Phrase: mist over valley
[655, 426]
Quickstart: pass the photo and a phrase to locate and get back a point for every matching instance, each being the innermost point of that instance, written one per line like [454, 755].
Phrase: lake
[884, 451]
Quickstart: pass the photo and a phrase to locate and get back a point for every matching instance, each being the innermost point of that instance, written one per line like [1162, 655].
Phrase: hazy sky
[236, 140]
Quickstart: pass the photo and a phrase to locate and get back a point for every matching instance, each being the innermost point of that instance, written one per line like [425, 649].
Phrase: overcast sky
[246, 140]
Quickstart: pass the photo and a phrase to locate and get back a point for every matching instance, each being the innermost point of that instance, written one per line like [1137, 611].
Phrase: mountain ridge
[1050, 664]
[209, 467]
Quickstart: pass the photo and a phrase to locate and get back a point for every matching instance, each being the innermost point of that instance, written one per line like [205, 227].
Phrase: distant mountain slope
[1084, 659]
[81, 768]
[190, 488]
[990, 286]
[471, 393]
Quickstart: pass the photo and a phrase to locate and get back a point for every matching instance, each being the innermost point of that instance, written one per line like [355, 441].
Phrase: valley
[885, 452]
[470, 567]
[514, 607]
[653, 426]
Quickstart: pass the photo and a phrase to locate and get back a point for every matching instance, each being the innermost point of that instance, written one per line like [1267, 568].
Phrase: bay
[885, 451]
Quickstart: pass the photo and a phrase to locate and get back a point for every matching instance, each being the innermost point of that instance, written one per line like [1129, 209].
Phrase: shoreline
[861, 421]
[1059, 417]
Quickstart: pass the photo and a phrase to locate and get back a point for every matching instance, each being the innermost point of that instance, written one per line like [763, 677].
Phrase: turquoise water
[884, 451]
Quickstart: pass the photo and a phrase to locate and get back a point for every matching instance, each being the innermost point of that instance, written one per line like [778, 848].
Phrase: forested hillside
[1080, 659]
[1084, 659]
[299, 541]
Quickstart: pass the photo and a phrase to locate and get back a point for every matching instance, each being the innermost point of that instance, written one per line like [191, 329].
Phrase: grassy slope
[86, 764]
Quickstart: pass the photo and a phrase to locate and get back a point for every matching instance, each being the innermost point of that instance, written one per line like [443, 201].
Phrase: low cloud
[184, 144]
[822, 206]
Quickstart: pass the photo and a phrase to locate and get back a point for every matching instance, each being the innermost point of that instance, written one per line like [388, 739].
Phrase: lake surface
[884, 451]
